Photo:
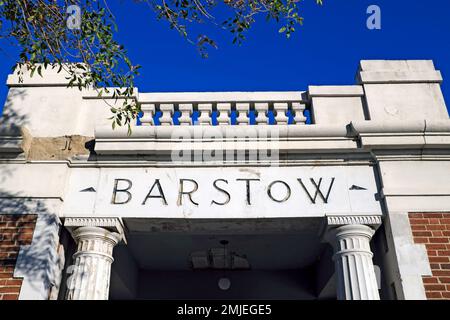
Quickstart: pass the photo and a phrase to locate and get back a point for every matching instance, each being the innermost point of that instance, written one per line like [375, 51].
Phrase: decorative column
[90, 273]
[350, 237]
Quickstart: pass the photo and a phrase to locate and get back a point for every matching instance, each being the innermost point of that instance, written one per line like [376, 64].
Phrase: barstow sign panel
[226, 192]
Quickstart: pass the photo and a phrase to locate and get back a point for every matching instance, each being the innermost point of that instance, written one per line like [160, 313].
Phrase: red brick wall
[15, 231]
[433, 230]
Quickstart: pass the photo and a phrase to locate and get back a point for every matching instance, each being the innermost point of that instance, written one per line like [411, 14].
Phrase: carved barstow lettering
[181, 191]
[288, 191]
[314, 189]
[247, 187]
[221, 190]
[318, 191]
[116, 190]
[161, 193]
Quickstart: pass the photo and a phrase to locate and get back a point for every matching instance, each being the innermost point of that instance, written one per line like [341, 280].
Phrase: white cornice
[357, 137]
[167, 132]
[419, 134]
[336, 91]
[163, 140]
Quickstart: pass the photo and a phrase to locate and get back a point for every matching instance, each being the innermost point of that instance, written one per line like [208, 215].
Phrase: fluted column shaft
[353, 262]
[92, 263]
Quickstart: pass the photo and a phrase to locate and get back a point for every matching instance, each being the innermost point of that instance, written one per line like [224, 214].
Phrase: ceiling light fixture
[224, 283]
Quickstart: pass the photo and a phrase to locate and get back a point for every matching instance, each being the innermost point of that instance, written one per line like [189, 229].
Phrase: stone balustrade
[223, 113]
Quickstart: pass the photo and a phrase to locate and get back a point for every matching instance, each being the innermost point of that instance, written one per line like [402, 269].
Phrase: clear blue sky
[326, 50]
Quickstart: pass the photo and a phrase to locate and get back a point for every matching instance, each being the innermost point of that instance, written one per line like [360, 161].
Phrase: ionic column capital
[110, 238]
[351, 238]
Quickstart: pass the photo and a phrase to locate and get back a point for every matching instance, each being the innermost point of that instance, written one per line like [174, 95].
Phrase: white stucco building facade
[334, 192]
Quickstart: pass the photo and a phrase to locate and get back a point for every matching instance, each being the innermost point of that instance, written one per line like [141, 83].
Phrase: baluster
[261, 112]
[242, 110]
[167, 113]
[149, 112]
[297, 109]
[280, 109]
[224, 113]
[186, 113]
[205, 110]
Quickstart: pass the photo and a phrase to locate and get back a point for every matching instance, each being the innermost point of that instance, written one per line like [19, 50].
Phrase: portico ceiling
[267, 244]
